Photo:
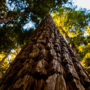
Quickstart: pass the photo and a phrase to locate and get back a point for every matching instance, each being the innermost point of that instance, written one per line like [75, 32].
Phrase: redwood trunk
[45, 63]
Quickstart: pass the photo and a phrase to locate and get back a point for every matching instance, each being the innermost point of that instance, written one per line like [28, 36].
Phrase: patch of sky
[29, 25]
[85, 34]
[9, 56]
[69, 4]
[10, 7]
[1, 25]
[13, 51]
[20, 5]
[78, 4]
[82, 4]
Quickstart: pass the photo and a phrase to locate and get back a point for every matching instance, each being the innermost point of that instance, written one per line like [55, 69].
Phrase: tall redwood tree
[46, 62]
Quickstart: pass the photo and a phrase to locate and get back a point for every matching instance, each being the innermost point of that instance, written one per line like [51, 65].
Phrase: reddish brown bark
[45, 63]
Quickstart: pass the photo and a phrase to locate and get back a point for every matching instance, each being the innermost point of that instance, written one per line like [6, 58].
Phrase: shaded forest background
[20, 18]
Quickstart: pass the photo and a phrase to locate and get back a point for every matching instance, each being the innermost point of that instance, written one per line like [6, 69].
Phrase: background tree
[74, 25]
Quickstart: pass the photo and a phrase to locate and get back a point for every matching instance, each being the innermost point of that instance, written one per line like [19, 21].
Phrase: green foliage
[4, 66]
[86, 62]
[88, 69]
[22, 11]
[11, 56]
[11, 36]
[87, 30]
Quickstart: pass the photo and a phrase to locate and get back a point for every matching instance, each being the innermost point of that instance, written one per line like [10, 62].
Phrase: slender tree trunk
[72, 46]
[67, 37]
[45, 63]
[65, 34]
[2, 61]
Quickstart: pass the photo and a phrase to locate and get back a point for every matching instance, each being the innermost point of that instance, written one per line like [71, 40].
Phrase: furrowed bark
[46, 62]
